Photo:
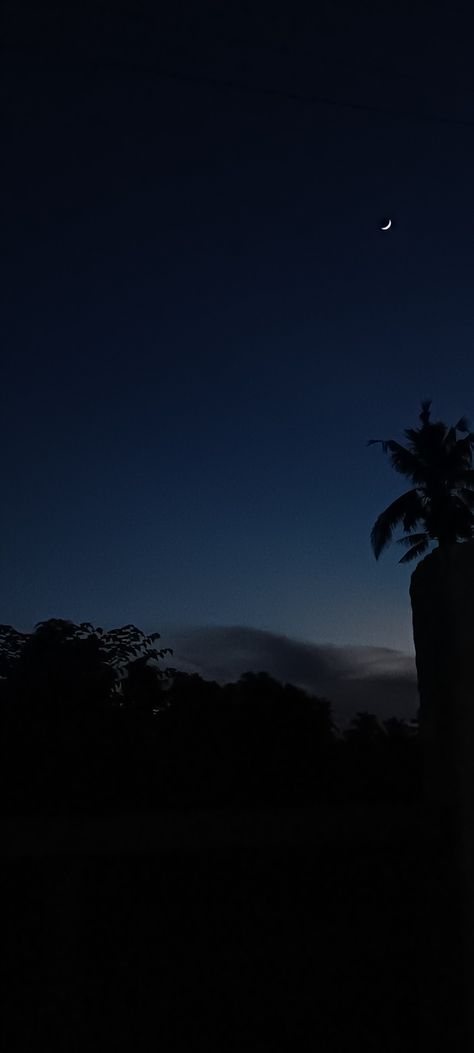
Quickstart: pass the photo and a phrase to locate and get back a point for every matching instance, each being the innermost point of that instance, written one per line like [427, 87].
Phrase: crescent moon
[389, 224]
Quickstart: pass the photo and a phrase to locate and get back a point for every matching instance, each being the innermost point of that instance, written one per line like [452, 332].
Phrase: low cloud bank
[378, 679]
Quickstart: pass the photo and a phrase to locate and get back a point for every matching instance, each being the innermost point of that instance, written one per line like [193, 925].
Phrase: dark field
[302, 929]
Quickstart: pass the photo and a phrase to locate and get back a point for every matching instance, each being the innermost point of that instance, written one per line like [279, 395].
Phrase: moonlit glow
[389, 224]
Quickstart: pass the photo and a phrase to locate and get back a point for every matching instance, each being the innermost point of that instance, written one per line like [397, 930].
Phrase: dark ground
[244, 932]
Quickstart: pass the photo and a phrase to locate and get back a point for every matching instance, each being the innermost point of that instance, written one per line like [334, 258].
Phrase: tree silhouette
[442, 500]
[365, 762]
[397, 730]
[281, 738]
[87, 722]
[365, 730]
[63, 664]
[11, 646]
[142, 688]
[70, 694]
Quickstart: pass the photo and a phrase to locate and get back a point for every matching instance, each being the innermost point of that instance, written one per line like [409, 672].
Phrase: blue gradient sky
[203, 324]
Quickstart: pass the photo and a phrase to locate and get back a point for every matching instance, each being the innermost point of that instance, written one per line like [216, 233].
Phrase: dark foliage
[442, 500]
[91, 722]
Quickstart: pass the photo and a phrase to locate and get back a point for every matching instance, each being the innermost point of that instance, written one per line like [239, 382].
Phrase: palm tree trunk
[442, 597]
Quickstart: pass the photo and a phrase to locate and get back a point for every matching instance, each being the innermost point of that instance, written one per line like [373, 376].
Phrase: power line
[139, 13]
[306, 99]
[264, 91]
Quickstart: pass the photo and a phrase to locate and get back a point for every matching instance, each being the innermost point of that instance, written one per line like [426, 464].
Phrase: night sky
[202, 322]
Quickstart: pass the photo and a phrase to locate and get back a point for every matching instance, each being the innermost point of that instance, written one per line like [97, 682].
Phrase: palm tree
[442, 500]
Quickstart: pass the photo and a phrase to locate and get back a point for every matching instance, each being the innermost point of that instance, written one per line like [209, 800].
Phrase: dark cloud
[378, 679]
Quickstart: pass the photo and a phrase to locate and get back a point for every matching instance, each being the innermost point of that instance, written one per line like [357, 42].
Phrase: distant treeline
[90, 721]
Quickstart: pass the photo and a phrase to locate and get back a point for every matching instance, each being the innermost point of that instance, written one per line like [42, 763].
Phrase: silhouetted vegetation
[442, 500]
[91, 721]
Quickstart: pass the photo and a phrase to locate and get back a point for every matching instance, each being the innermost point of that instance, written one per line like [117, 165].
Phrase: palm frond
[467, 496]
[462, 424]
[466, 478]
[425, 411]
[417, 550]
[414, 514]
[439, 465]
[463, 449]
[415, 539]
[450, 440]
[463, 516]
[409, 504]
[406, 462]
[429, 442]
[384, 442]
